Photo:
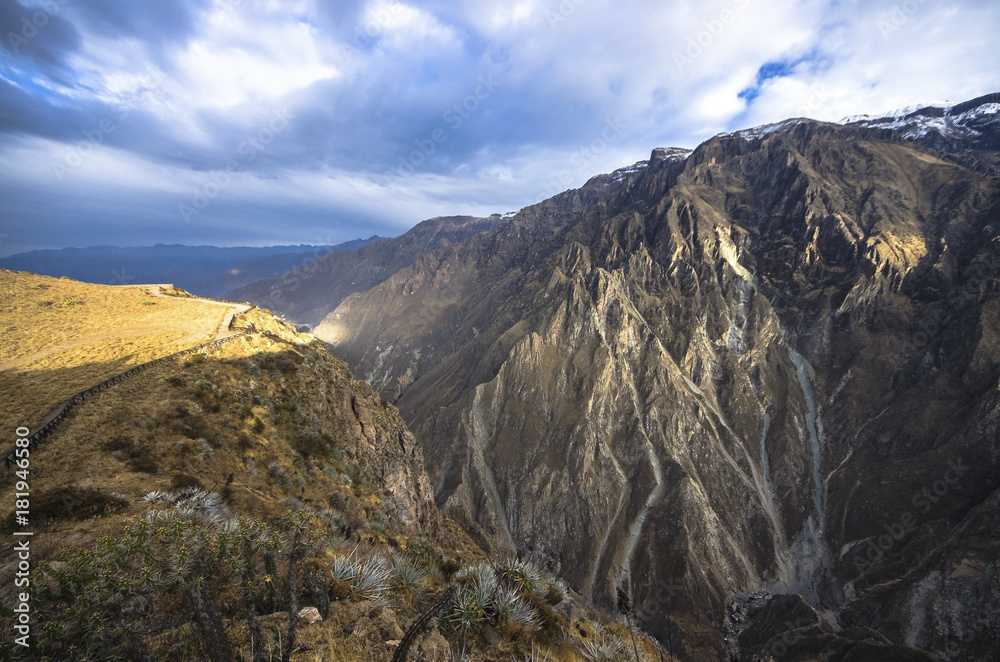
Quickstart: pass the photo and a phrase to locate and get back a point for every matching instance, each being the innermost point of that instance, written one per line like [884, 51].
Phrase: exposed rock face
[308, 293]
[772, 365]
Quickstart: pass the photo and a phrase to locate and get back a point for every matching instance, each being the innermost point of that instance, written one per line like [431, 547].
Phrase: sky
[261, 122]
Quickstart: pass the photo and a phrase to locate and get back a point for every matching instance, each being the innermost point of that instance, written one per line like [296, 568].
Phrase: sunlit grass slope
[61, 336]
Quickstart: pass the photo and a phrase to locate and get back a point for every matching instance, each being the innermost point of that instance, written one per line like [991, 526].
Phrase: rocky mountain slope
[755, 386]
[309, 293]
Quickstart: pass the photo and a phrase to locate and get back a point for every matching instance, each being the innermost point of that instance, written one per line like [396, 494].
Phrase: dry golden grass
[62, 336]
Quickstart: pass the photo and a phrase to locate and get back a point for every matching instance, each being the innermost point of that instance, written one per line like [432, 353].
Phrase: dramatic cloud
[259, 121]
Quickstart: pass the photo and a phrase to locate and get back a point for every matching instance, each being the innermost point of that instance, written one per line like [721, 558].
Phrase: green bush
[195, 359]
[157, 588]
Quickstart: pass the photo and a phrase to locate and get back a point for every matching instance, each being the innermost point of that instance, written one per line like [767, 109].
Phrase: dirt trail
[223, 330]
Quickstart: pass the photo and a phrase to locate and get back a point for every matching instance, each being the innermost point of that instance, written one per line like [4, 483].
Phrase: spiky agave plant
[344, 569]
[473, 606]
[481, 573]
[372, 580]
[603, 651]
[466, 616]
[193, 504]
[522, 575]
[407, 577]
[536, 655]
[513, 612]
[362, 578]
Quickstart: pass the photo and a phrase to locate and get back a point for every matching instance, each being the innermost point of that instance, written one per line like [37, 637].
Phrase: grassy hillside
[62, 336]
[184, 513]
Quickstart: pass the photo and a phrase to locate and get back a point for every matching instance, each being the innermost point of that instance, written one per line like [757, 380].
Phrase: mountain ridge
[743, 278]
[308, 293]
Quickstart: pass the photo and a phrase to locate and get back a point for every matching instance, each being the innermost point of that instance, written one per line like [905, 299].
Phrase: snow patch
[920, 121]
[764, 129]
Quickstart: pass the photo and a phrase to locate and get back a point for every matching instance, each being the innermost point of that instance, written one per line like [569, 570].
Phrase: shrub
[144, 464]
[243, 441]
[240, 410]
[180, 480]
[154, 589]
[121, 413]
[72, 503]
[336, 476]
[204, 448]
[122, 442]
[279, 475]
[283, 362]
[449, 567]
[312, 445]
[194, 360]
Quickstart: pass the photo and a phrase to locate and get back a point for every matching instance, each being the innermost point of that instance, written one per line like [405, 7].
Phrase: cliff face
[770, 365]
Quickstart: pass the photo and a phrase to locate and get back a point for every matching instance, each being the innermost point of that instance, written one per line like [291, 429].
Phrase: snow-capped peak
[964, 120]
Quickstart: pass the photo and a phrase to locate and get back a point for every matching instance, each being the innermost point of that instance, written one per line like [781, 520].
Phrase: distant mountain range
[203, 270]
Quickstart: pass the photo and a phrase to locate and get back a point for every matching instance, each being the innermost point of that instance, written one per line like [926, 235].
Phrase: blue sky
[253, 122]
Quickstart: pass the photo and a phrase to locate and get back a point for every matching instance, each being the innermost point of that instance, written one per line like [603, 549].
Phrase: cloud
[35, 38]
[402, 110]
